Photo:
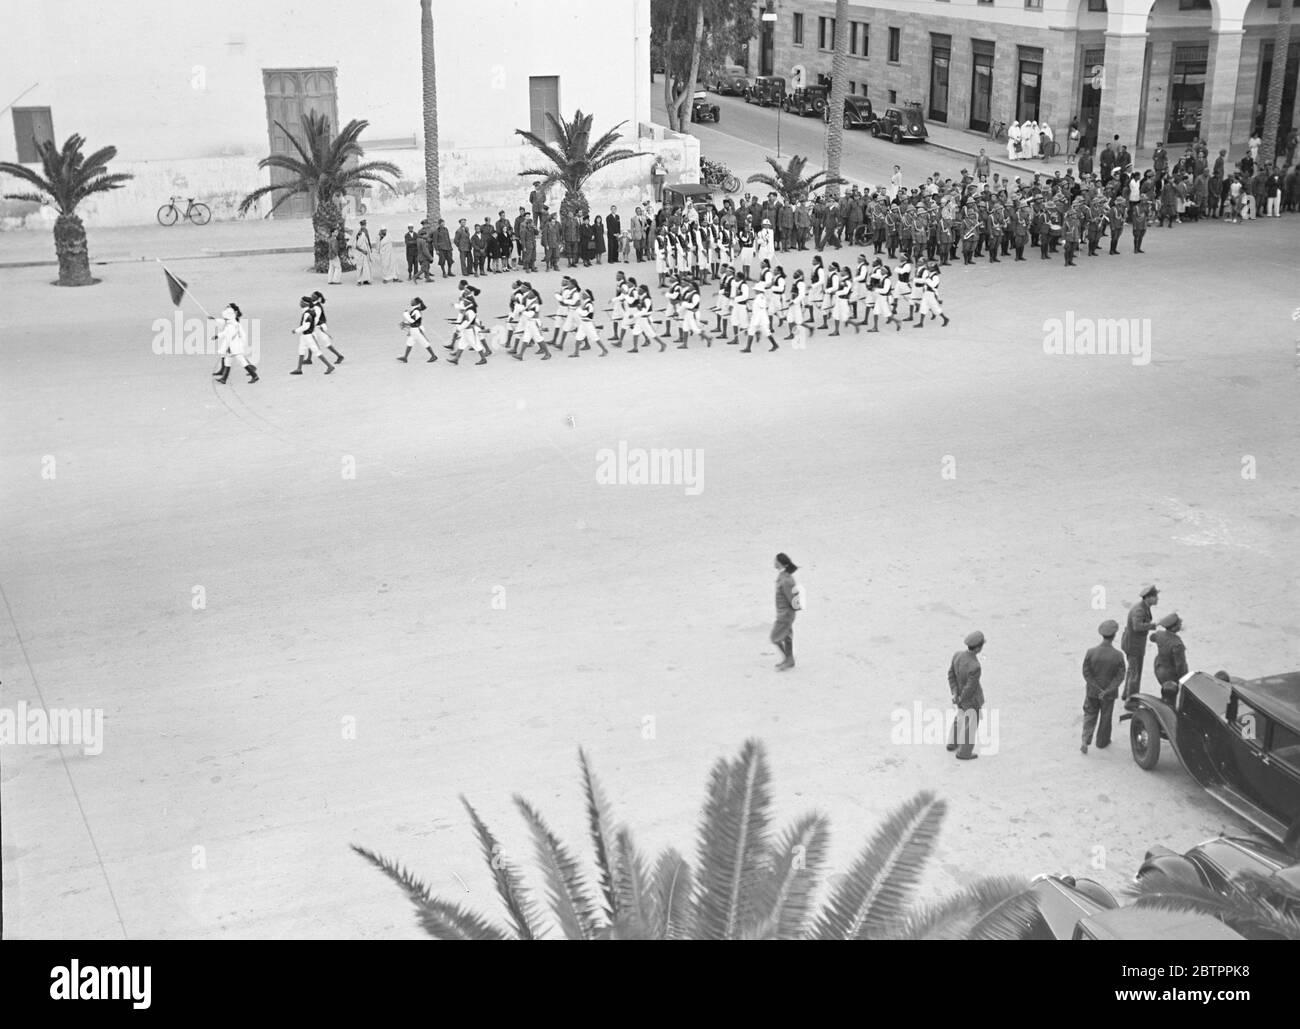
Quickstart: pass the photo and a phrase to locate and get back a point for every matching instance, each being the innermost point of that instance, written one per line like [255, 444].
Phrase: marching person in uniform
[930, 297]
[968, 696]
[231, 344]
[466, 336]
[307, 341]
[1134, 640]
[1103, 673]
[783, 628]
[412, 322]
[320, 331]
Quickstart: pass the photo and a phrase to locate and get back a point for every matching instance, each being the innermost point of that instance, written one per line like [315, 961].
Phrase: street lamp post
[769, 16]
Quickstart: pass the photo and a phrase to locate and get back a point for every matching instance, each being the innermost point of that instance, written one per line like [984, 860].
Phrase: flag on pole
[176, 287]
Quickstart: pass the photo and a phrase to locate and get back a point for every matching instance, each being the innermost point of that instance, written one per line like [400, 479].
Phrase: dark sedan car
[900, 125]
[1218, 863]
[731, 82]
[857, 112]
[1239, 740]
[808, 100]
[767, 91]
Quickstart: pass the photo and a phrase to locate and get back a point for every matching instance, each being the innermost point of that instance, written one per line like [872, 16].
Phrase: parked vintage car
[808, 100]
[766, 91]
[684, 193]
[1062, 901]
[900, 124]
[1134, 923]
[731, 81]
[1239, 740]
[857, 112]
[702, 109]
[1219, 863]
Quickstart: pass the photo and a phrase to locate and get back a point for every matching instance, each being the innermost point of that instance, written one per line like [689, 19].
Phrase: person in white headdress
[1029, 136]
[387, 265]
[1013, 142]
[1046, 131]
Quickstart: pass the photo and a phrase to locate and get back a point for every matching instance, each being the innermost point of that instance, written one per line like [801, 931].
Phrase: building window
[853, 86]
[798, 30]
[895, 45]
[1033, 5]
[940, 58]
[1193, 5]
[893, 96]
[1097, 6]
[543, 99]
[32, 127]
[987, 2]
[859, 38]
[825, 33]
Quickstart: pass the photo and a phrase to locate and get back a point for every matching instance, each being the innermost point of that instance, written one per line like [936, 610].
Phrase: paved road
[754, 130]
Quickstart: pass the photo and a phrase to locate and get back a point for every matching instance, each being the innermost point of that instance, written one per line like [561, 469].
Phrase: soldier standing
[1116, 217]
[1096, 218]
[967, 695]
[1071, 228]
[1020, 230]
[1134, 640]
[1103, 672]
[1141, 212]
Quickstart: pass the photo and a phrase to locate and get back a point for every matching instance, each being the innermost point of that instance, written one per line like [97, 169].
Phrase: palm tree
[835, 108]
[574, 158]
[325, 169]
[432, 182]
[1259, 908]
[745, 885]
[1276, 84]
[69, 177]
[788, 181]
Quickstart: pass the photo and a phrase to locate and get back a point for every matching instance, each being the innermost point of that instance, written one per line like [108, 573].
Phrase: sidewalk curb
[1018, 166]
[175, 257]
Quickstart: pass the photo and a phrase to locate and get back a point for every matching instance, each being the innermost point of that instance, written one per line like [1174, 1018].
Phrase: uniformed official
[967, 695]
[1134, 640]
[1141, 212]
[1170, 664]
[1117, 219]
[1103, 672]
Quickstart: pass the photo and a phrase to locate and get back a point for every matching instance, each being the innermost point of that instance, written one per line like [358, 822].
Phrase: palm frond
[509, 882]
[996, 908]
[796, 860]
[34, 198]
[440, 919]
[27, 175]
[877, 888]
[600, 824]
[631, 887]
[770, 181]
[105, 183]
[570, 901]
[309, 162]
[671, 897]
[1252, 915]
[733, 844]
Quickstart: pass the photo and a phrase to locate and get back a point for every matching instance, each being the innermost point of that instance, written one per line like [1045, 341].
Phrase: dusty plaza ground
[472, 605]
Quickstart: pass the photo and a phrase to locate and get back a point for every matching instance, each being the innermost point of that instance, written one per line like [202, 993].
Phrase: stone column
[1221, 73]
[1121, 95]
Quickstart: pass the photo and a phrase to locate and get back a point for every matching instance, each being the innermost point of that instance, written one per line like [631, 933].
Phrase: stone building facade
[1145, 70]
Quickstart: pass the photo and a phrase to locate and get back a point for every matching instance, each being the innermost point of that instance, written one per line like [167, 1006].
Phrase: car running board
[1248, 810]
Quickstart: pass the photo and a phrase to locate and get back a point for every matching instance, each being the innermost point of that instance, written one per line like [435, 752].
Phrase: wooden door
[290, 94]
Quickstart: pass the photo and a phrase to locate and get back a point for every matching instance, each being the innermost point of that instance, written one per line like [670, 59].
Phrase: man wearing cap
[967, 695]
[1170, 664]
[412, 251]
[1103, 672]
[1134, 640]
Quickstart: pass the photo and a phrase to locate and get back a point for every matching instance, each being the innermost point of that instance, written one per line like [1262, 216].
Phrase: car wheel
[1144, 738]
[716, 114]
[897, 137]
[875, 131]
